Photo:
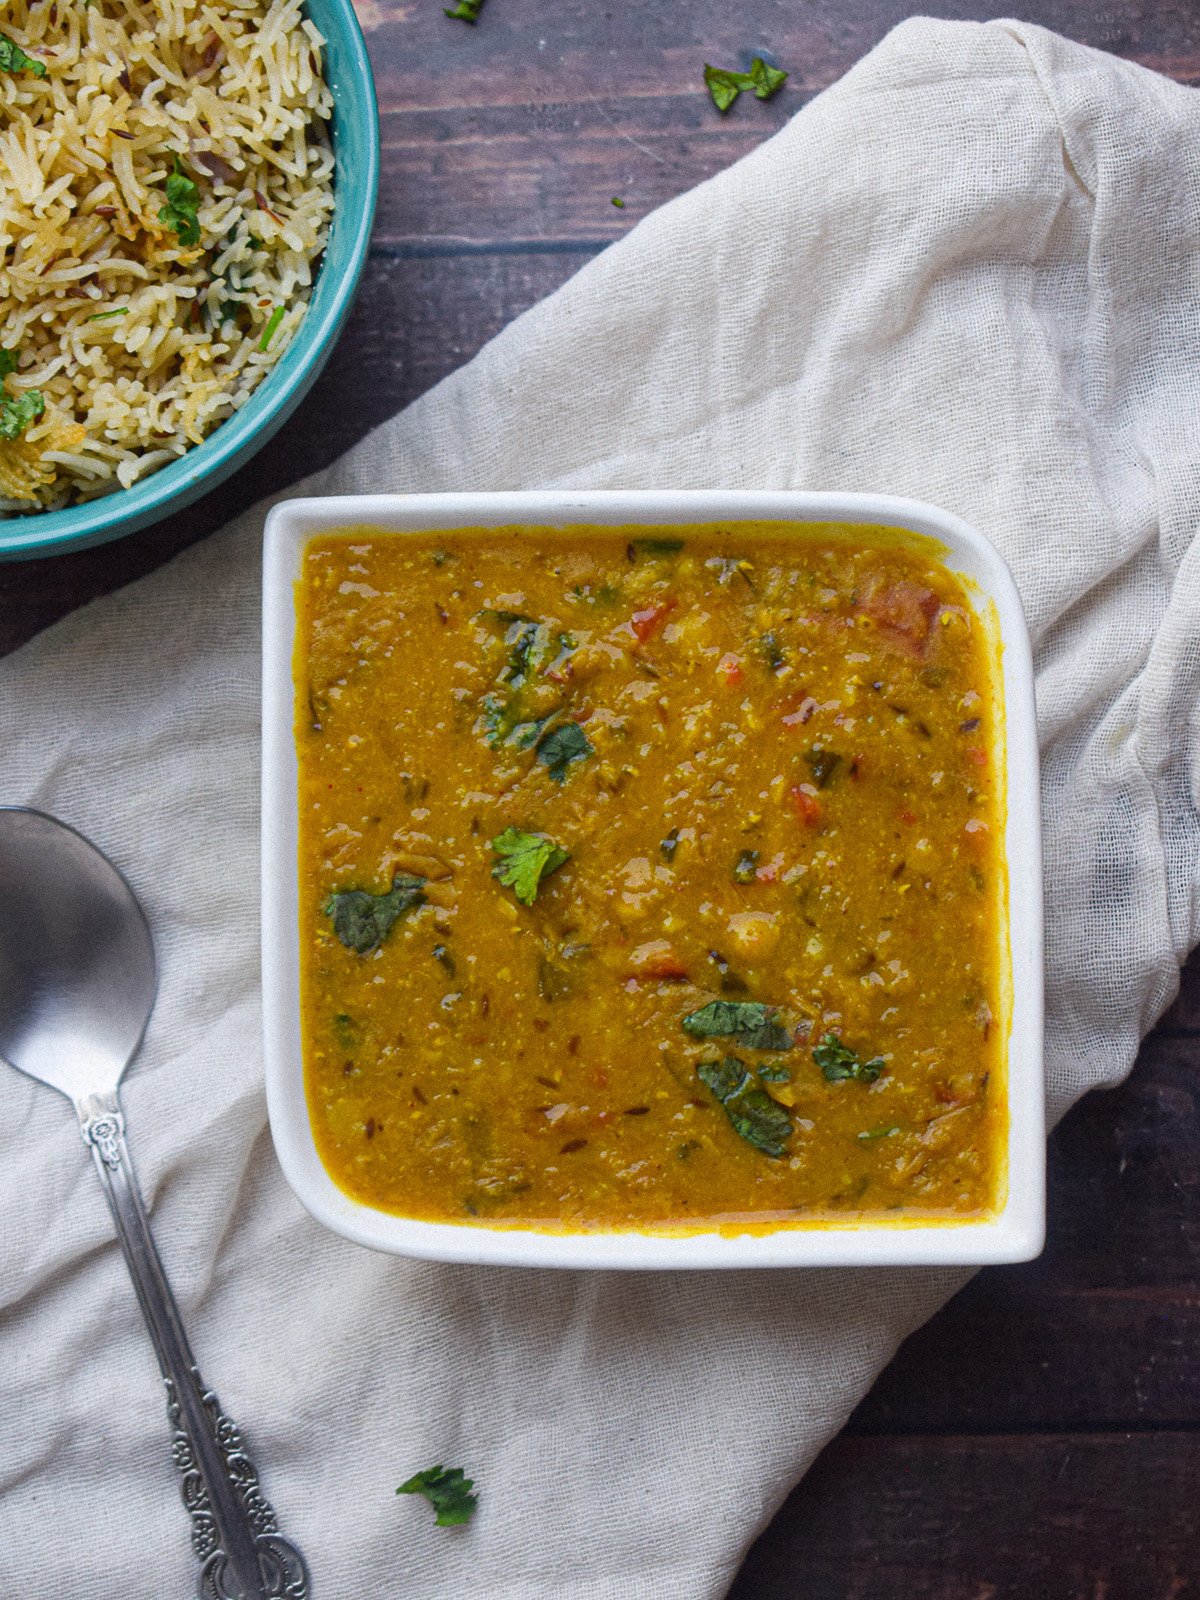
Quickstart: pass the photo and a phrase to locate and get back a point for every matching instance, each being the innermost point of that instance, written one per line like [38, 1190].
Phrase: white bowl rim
[1015, 1232]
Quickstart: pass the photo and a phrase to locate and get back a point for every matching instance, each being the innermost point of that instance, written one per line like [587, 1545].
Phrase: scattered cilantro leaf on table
[448, 1491]
[563, 745]
[725, 86]
[14, 59]
[525, 859]
[180, 211]
[838, 1062]
[748, 1021]
[465, 10]
[363, 920]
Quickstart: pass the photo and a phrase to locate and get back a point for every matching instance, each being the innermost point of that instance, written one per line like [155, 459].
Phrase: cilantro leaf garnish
[525, 859]
[752, 1113]
[104, 316]
[363, 920]
[17, 412]
[465, 10]
[748, 1021]
[838, 1062]
[725, 86]
[14, 59]
[765, 80]
[8, 363]
[562, 746]
[448, 1491]
[183, 199]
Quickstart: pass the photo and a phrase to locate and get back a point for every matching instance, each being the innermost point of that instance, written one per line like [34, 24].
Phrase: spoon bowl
[77, 985]
[77, 969]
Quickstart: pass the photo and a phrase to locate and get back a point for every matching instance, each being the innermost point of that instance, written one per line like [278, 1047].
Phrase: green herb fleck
[876, 1133]
[8, 363]
[618, 202]
[822, 764]
[448, 1491]
[748, 1021]
[271, 328]
[14, 59]
[838, 1062]
[770, 649]
[17, 412]
[465, 10]
[183, 199]
[725, 86]
[670, 844]
[363, 920]
[745, 867]
[563, 746]
[653, 547]
[103, 316]
[774, 1072]
[757, 1118]
[525, 859]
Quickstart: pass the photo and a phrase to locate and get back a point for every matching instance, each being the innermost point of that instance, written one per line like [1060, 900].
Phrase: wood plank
[414, 322]
[1103, 1329]
[1184, 1015]
[1077, 1517]
[525, 126]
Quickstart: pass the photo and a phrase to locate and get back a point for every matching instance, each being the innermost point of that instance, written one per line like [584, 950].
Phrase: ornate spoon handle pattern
[234, 1533]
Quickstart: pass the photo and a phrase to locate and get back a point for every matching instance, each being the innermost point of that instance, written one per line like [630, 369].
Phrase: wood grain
[1038, 1440]
[1077, 1516]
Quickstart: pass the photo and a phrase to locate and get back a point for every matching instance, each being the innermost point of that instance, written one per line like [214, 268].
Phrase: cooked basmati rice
[139, 344]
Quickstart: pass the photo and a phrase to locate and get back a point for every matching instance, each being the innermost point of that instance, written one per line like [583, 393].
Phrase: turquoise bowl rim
[229, 446]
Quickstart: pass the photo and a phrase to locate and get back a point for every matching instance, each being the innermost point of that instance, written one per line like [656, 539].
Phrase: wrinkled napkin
[969, 272]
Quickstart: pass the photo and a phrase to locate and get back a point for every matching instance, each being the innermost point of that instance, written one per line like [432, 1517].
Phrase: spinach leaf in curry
[838, 1062]
[363, 920]
[752, 1113]
[748, 1021]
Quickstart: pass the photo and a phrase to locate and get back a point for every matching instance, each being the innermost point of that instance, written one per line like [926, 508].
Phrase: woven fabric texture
[968, 272]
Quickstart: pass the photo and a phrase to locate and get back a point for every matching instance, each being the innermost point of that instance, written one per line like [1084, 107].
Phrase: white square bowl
[1014, 1232]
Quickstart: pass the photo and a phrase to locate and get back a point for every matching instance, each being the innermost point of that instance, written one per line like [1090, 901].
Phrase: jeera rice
[166, 188]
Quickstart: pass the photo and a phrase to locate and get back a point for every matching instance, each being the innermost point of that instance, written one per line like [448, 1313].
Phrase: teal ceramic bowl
[230, 446]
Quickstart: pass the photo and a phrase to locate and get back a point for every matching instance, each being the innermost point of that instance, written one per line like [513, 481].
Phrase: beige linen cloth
[970, 272]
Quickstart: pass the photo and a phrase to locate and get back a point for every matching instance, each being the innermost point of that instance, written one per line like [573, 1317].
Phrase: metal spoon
[77, 985]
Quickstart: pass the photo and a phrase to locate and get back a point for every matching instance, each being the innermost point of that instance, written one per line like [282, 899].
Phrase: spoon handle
[234, 1532]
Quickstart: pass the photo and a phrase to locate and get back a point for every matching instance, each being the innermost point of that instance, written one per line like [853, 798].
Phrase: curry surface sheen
[778, 786]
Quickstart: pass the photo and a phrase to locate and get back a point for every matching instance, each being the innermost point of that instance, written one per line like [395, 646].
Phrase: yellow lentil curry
[651, 878]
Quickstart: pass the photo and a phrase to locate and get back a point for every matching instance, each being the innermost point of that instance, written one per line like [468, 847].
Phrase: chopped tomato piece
[907, 816]
[903, 612]
[730, 668]
[646, 623]
[805, 804]
[978, 755]
[656, 962]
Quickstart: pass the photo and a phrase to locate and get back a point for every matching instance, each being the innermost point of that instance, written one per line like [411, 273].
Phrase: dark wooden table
[1041, 1437]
